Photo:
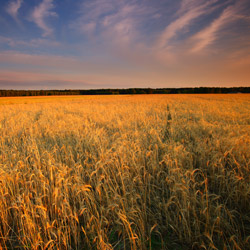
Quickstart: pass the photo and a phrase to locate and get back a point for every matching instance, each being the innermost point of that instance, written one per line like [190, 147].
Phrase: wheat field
[125, 172]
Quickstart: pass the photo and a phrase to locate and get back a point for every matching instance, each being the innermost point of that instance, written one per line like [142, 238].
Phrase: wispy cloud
[189, 11]
[48, 68]
[40, 13]
[208, 35]
[41, 61]
[126, 41]
[212, 32]
[23, 79]
[116, 18]
[7, 41]
[34, 80]
[13, 7]
[41, 43]
[117, 29]
[33, 43]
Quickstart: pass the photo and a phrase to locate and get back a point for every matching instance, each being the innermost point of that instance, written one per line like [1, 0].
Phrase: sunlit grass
[41, 99]
[125, 172]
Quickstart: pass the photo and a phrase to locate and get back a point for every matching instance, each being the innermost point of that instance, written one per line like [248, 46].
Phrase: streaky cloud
[121, 19]
[30, 43]
[208, 35]
[13, 8]
[189, 11]
[40, 13]
[211, 33]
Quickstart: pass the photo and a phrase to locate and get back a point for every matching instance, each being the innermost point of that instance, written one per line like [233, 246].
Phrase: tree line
[129, 91]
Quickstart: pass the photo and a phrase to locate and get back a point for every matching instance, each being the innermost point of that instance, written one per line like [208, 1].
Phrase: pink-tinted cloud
[48, 68]
[40, 13]
[33, 43]
[210, 34]
[213, 31]
[13, 7]
[7, 40]
[189, 11]
[41, 61]
[38, 80]
[112, 18]
[129, 43]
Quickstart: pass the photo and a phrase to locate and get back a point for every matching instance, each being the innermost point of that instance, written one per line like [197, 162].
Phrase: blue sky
[83, 44]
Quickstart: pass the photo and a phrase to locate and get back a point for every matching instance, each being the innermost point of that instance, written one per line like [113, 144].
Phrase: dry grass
[125, 172]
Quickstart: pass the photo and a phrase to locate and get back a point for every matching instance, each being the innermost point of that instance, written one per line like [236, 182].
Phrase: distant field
[125, 172]
[40, 99]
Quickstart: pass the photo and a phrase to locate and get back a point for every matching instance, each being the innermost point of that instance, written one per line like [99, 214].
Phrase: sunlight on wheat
[125, 172]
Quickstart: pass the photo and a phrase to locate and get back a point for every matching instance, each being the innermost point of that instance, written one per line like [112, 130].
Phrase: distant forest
[130, 91]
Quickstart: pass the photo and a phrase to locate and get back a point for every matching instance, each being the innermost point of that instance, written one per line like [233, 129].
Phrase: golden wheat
[125, 172]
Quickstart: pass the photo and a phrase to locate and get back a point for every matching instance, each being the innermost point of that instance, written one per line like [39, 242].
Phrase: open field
[125, 172]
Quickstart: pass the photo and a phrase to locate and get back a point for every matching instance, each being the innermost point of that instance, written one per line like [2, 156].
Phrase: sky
[89, 44]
